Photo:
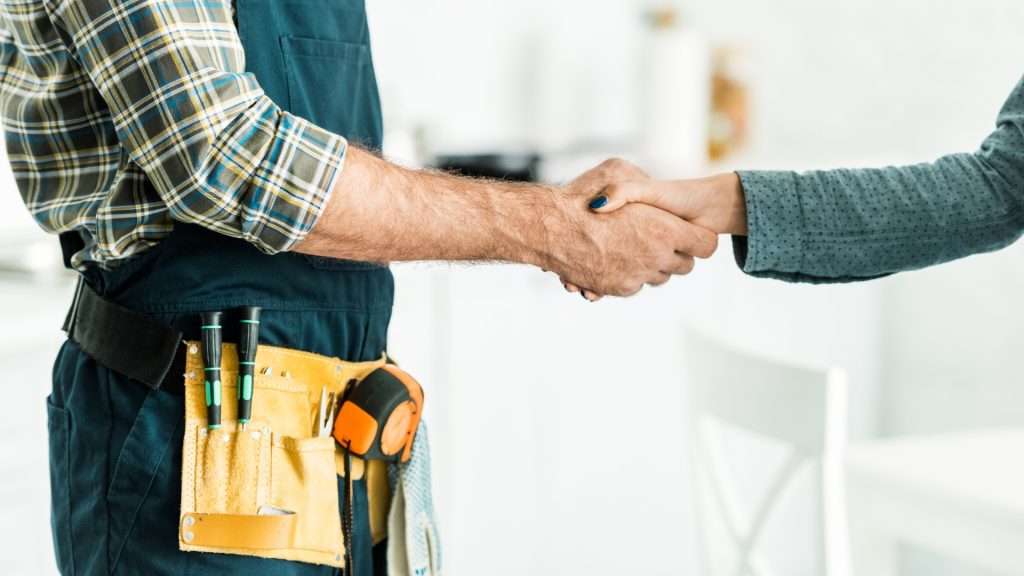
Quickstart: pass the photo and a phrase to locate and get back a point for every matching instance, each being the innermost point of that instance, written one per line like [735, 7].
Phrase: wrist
[729, 202]
[527, 216]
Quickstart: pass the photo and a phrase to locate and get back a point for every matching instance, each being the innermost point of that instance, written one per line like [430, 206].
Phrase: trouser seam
[145, 494]
[70, 500]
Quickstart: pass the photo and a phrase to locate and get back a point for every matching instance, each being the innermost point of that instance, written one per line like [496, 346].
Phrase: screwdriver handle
[248, 341]
[212, 338]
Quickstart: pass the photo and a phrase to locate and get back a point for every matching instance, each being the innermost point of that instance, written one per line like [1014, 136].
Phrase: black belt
[126, 341]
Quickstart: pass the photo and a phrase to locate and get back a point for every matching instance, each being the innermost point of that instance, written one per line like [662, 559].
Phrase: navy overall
[115, 445]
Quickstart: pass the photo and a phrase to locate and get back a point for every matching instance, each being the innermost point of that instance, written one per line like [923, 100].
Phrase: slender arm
[849, 225]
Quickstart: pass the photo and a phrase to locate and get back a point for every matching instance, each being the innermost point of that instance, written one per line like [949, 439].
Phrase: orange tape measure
[380, 414]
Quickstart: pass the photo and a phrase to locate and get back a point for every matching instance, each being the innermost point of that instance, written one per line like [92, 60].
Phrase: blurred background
[563, 432]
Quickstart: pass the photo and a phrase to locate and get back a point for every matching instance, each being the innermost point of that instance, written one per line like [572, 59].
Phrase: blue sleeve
[850, 225]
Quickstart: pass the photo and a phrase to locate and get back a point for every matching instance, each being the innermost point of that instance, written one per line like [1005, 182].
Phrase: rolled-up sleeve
[218, 151]
[849, 225]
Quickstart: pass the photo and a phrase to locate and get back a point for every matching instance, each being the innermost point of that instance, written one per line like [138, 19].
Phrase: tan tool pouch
[271, 489]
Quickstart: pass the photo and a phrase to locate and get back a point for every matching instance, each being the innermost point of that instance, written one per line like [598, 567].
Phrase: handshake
[615, 230]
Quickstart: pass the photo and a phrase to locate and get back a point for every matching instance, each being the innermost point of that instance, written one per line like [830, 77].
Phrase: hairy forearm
[381, 212]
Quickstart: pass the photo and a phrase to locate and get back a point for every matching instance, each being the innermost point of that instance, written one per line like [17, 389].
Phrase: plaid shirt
[123, 116]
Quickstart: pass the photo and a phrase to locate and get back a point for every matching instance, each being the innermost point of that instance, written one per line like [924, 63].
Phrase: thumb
[617, 195]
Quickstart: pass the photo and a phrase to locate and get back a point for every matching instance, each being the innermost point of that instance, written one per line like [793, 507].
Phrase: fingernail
[598, 202]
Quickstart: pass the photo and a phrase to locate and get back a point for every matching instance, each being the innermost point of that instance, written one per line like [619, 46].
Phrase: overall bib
[116, 445]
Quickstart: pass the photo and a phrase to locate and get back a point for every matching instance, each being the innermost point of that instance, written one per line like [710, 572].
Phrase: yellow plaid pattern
[124, 116]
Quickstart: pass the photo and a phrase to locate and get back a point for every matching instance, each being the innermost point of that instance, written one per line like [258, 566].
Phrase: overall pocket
[333, 85]
[60, 489]
[312, 58]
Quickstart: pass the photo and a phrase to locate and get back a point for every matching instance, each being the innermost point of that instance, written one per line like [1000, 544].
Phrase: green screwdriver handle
[212, 339]
[248, 341]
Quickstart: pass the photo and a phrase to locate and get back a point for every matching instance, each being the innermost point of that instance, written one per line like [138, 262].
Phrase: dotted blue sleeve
[850, 225]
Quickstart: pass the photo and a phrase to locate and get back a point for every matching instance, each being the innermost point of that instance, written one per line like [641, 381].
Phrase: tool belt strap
[125, 341]
[213, 531]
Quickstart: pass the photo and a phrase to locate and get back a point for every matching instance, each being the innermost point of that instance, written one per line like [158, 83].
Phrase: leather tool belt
[270, 490]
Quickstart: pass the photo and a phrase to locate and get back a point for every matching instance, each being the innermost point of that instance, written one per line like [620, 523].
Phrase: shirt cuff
[775, 224]
[297, 176]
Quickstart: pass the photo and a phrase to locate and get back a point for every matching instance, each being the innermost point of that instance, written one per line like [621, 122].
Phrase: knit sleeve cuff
[775, 224]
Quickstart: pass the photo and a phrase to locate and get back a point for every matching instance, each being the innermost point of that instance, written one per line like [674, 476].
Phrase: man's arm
[224, 156]
[382, 212]
[847, 225]
[218, 151]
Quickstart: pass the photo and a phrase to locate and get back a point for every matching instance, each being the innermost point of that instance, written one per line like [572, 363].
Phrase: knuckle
[627, 288]
[616, 164]
[709, 243]
[614, 290]
[660, 279]
[699, 242]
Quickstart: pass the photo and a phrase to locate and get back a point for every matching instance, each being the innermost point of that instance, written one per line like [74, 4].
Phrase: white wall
[954, 340]
[836, 80]
[469, 69]
[531, 471]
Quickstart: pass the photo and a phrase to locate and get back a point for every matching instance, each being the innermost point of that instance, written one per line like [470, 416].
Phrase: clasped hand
[618, 230]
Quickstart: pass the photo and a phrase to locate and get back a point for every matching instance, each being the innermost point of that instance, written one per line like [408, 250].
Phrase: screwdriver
[248, 340]
[211, 330]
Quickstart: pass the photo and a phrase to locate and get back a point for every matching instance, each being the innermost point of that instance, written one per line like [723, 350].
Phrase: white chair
[801, 414]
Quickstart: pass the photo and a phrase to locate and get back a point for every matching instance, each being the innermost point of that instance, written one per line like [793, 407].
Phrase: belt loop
[69, 320]
[71, 242]
[125, 341]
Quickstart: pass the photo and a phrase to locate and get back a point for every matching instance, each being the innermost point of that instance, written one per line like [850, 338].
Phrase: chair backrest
[802, 411]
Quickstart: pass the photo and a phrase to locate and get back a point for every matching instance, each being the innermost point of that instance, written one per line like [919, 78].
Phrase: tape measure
[380, 414]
